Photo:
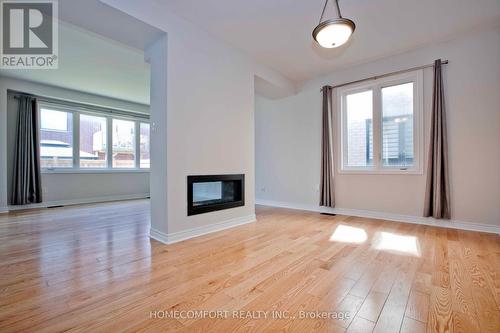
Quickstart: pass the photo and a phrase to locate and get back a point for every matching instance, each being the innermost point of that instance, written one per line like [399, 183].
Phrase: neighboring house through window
[381, 125]
[71, 138]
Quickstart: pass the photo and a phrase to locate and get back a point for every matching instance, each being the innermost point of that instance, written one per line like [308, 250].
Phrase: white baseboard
[453, 224]
[175, 237]
[289, 205]
[75, 202]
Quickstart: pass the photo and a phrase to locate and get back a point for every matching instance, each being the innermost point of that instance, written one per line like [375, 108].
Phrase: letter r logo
[27, 27]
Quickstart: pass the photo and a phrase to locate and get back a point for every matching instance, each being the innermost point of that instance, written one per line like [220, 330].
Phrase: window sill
[92, 171]
[380, 172]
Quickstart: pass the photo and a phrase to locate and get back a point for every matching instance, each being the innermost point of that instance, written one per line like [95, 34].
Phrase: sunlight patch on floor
[388, 241]
[383, 241]
[347, 234]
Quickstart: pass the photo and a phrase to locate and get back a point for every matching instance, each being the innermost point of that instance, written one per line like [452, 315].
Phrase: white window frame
[415, 77]
[136, 137]
[76, 112]
[138, 144]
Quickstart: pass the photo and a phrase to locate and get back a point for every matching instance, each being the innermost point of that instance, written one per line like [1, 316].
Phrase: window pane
[359, 136]
[54, 120]
[56, 139]
[397, 125]
[92, 142]
[123, 144]
[145, 161]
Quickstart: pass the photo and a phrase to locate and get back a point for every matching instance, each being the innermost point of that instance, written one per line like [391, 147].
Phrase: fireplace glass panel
[208, 193]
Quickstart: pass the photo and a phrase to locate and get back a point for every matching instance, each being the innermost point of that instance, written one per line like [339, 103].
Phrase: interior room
[100, 83]
[262, 166]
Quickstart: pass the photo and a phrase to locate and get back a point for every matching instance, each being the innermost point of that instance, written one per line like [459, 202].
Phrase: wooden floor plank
[418, 306]
[93, 268]
[440, 315]
[360, 325]
[372, 306]
[412, 326]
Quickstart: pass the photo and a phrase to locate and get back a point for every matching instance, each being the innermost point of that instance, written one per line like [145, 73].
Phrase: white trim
[109, 143]
[76, 140]
[4, 210]
[289, 205]
[453, 224]
[384, 171]
[137, 144]
[71, 202]
[179, 236]
[93, 170]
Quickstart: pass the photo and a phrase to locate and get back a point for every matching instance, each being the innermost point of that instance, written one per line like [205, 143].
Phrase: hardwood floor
[93, 268]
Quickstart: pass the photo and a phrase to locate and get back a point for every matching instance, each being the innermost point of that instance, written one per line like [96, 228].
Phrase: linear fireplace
[208, 193]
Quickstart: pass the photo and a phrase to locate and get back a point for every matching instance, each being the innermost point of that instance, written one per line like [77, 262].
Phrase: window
[397, 125]
[56, 139]
[81, 139]
[359, 129]
[123, 144]
[381, 124]
[144, 148]
[93, 138]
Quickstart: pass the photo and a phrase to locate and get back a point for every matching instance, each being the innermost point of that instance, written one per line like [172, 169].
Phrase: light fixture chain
[324, 8]
[323, 12]
[338, 8]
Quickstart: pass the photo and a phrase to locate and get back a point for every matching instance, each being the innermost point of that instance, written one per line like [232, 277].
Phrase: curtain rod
[91, 107]
[444, 62]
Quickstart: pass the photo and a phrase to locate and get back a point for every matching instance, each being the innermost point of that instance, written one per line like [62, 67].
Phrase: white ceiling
[97, 17]
[278, 32]
[93, 64]
[107, 59]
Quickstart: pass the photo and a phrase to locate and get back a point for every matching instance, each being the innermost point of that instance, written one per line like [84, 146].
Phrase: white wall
[156, 55]
[61, 188]
[210, 113]
[288, 134]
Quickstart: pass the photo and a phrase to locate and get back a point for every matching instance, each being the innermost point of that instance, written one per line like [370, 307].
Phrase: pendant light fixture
[334, 32]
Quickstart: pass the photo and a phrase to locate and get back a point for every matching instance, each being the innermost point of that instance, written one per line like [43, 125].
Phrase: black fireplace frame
[192, 210]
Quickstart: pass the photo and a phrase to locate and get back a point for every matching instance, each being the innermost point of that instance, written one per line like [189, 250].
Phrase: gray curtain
[437, 191]
[26, 187]
[327, 197]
